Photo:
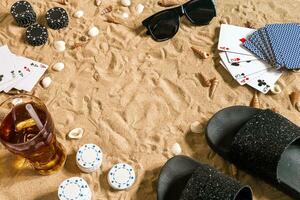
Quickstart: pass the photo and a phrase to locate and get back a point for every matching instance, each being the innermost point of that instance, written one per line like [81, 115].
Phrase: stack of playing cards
[18, 72]
[277, 44]
[243, 65]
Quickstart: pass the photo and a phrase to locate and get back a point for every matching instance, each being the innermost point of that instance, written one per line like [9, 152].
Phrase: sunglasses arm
[180, 10]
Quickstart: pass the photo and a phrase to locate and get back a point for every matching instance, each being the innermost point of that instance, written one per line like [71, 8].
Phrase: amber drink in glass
[27, 130]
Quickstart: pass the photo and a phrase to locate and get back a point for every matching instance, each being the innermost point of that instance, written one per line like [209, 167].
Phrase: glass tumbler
[27, 129]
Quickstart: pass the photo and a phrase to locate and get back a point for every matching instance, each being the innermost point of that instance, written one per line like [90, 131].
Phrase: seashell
[98, 2]
[255, 103]
[125, 15]
[276, 89]
[58, 66]
[205, 82]
[60, 46]
[167, 3]
[196, 127]
[295, 99]
[224, 21]
[77, 45]
[139, 8]
[64, 2]
[93, 32]
[46, 82]
[106, 10]
[213, 87]
[233, 170]
[17, 101]
[201, 54]
[111, 19]
[83, 39]
[76, 133]
[249, 25]
[275, 110]
[126, 3]
[176, 149]
[296, 70]
[79, 14]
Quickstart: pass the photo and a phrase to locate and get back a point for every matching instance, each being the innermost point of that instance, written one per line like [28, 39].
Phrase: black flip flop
[183, 178]
[259, 141]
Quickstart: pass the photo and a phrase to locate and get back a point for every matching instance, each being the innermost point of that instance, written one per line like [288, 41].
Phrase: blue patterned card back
[285, 43]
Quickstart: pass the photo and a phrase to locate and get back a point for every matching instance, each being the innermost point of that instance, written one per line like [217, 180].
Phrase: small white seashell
[93, 32]
[276, 89]
[76, 133]
[196, 127]
[296, 70]
[46, 82]
[126, 2]
[176, 149]
[98, 2]
[17, 101]
[139, 8]
[60, 46]
[58, 66]
[79, 14]
[125, 15]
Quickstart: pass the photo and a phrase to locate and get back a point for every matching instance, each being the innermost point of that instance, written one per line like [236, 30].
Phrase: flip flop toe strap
[208, 184]
[259, 144]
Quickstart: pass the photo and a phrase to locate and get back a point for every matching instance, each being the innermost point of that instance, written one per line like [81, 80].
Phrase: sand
[135, 97]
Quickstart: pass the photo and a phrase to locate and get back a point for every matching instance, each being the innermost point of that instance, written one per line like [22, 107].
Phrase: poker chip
[89, 158]
[121, 176]
[57, 18]
[23, 13]
[36, 35]
[74, 188]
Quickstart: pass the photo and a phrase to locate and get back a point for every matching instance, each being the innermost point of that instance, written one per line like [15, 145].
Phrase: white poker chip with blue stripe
[74, 188]
[121, 176]
[89, 158]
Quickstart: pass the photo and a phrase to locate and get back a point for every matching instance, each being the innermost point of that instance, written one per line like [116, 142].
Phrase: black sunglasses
[165, 24]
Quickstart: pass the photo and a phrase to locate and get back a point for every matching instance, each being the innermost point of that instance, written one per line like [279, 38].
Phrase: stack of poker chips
[121, 176]
[57, 18]
[36, 34]
[23, 13]
[74, 188]
[89, 158]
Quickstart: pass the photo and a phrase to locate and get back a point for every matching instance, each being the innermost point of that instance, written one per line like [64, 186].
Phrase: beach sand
[135, 97]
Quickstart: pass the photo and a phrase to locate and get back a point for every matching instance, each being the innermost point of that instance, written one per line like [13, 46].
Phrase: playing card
[232, 37]
[7, 70]
[236, 57]
[265, 81]
[266, 47]
[23, 70]
[28, 82]
[258, 44]
[244, 71]
[285, 44]
[18, 72]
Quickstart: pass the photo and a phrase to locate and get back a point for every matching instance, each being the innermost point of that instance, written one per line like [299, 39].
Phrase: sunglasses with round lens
[165, 24]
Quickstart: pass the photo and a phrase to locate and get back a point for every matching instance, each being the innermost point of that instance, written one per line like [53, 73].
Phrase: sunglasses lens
[200, 12]
[164, 25]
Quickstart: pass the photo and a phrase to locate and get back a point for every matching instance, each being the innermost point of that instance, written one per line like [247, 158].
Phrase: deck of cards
[277, 44]
[245, 66]
[18, 72]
